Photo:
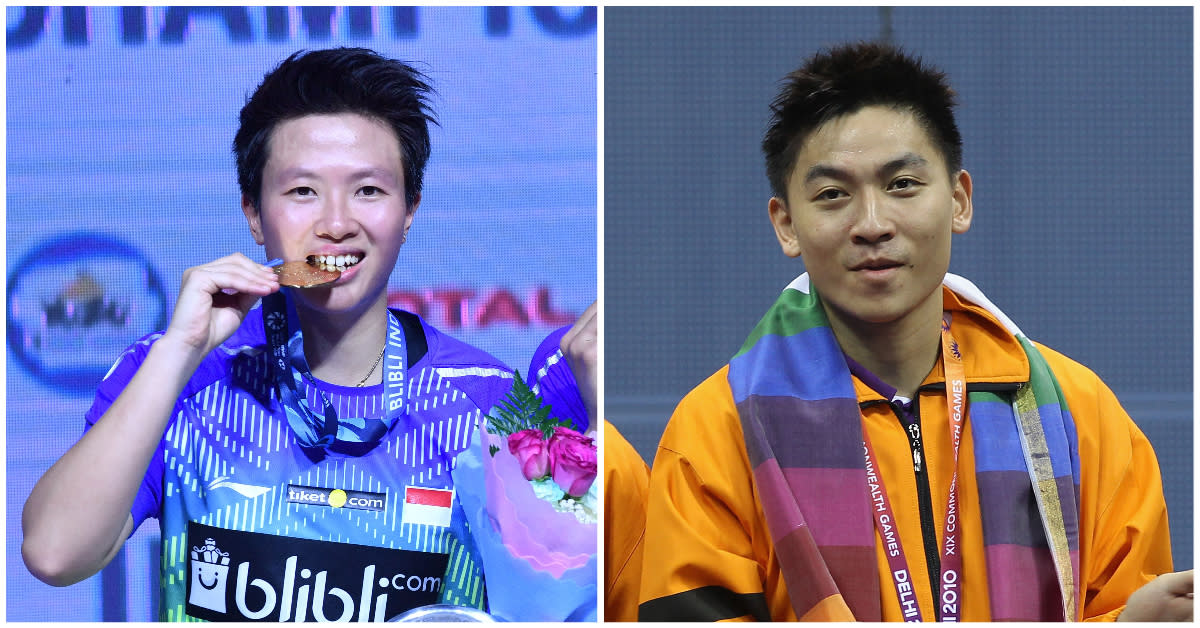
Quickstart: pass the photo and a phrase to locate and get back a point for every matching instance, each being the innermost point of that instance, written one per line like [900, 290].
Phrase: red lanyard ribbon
[950, 581]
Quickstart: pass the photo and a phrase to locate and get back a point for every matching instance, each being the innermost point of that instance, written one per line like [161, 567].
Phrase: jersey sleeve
[1124, 536]
[550, 376]
[704, 552]
[148, 500]
[484, 379]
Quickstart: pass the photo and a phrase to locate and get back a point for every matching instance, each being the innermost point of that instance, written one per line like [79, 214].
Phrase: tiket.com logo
[336, 498]
[210, 575]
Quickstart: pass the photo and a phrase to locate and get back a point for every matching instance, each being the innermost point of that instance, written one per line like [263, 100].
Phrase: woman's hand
[214, 299]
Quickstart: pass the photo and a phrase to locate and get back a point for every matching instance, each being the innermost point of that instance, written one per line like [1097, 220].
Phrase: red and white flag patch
[427, 506]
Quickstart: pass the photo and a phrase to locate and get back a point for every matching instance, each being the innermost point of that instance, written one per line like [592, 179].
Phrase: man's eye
[904, 184]
[829, 195]
[303, 191]
[370, 190]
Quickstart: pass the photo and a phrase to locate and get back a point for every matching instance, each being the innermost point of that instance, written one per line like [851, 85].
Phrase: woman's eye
[304, 191]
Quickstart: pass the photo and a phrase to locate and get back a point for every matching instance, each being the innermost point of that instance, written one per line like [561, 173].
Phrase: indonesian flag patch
[427, 506]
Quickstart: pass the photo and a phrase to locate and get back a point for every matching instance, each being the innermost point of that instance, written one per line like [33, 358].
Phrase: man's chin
[864, 311]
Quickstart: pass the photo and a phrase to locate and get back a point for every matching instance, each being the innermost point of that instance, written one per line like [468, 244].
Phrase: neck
[901, 352]
[342, 347]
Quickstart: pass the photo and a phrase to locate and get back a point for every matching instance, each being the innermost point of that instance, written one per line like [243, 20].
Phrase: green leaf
[522, 409]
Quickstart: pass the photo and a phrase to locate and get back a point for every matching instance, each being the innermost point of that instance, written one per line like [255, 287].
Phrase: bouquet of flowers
[530, 500]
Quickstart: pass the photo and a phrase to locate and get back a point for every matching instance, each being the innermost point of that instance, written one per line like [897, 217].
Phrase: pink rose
[572, 461]
[531, 454]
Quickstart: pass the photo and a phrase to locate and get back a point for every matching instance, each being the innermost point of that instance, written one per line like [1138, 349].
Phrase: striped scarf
[803, 431]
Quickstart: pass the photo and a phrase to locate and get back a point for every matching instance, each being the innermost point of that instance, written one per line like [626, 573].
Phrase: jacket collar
[991, 353]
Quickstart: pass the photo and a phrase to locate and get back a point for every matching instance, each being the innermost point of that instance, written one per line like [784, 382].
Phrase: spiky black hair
[847, 78]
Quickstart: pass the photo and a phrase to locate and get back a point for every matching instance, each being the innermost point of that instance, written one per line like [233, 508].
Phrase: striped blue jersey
[256, 528]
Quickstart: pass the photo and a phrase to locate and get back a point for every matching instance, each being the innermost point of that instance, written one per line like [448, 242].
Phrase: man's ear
[785, 229]
[963, 209]
[412, 212]
[254, 218]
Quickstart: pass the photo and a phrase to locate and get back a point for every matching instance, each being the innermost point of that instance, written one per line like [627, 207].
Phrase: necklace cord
[373, 366]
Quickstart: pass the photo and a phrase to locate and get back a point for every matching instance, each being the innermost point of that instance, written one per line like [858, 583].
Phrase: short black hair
[337, 80]
[847, 78]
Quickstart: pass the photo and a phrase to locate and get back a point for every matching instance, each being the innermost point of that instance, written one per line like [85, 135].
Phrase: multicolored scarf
[803, 432]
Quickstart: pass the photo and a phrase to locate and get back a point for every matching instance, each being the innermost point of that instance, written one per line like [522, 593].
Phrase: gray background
[1077, 127]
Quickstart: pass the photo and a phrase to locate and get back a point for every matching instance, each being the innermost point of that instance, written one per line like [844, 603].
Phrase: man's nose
[873, 219]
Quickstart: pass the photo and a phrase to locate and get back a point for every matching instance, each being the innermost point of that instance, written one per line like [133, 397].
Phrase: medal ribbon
[949, 583]
[289, 367]
[886, 524]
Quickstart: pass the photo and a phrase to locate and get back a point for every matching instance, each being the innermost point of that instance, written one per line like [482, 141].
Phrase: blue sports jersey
[551, 377]
[256, 528]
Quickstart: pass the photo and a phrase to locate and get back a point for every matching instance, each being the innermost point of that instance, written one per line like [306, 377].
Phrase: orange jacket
[707, 541]
[625, 478]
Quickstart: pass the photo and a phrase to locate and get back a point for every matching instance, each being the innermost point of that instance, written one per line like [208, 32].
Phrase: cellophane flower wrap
[535, 538]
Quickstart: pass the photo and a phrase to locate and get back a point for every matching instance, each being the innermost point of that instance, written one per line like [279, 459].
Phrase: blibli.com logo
[210, 574]
[280, 579]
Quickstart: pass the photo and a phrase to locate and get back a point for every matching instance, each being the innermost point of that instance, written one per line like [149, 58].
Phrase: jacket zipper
[933, 560]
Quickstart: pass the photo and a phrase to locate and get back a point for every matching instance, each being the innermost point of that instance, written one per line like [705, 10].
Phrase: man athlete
[887, 445]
